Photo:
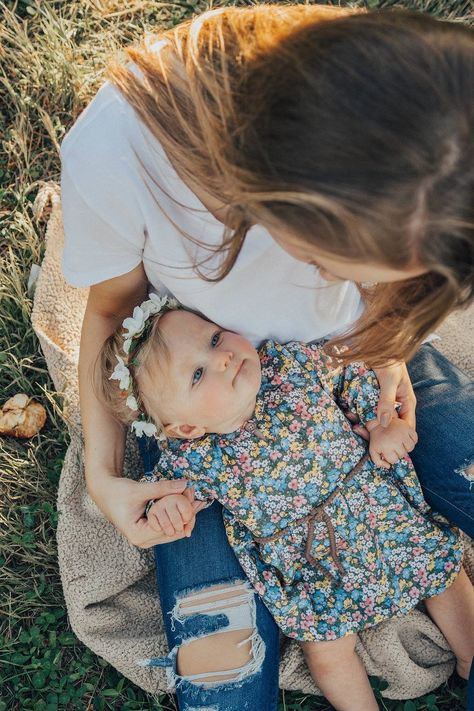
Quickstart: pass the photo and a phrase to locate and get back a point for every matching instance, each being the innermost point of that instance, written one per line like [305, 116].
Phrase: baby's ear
[184, 431]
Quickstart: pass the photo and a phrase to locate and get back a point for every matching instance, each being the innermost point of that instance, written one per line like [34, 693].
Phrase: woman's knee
[226, 645]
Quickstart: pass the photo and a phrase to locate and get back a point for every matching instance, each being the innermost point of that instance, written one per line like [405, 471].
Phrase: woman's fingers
[189, 493]
[407, 400]
[356, 426]
[362, 432]
[395, 387]
[388, 395]
[188, 528]
[158, 489]
[145, 536]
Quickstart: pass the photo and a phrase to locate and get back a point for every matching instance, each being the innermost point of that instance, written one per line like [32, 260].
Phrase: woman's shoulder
[109, 145]
[99, 127]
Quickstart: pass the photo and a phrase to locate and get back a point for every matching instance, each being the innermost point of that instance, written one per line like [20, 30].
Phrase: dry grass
[52, 58]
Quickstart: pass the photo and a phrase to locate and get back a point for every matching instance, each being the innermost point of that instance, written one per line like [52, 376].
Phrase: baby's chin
[232, 425]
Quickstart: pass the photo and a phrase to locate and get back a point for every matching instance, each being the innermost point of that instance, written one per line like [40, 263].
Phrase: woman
[257, 163]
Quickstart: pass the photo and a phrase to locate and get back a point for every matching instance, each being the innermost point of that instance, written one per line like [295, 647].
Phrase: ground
[52, 58]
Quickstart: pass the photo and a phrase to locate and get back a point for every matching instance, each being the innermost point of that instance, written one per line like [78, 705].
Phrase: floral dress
[332, 543]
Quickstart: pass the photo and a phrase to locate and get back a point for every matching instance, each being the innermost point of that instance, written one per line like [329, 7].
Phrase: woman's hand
[395, 387]
[123, 502]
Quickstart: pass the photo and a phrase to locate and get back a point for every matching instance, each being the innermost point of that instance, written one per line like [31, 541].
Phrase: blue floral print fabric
[373, 547]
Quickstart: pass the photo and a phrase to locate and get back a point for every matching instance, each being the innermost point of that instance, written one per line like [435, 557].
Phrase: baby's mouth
[238, 370]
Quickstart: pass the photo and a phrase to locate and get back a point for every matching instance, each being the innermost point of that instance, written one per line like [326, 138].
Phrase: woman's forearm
[103, 435]
[121, 500]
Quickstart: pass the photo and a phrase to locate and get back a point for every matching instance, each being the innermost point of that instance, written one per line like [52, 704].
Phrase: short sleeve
[100, 182]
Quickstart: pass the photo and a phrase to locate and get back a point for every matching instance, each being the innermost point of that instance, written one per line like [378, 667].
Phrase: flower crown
[137, 328]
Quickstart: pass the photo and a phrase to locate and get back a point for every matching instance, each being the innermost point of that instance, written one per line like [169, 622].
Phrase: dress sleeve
[189, 466]
[359, 391]
[354, 387]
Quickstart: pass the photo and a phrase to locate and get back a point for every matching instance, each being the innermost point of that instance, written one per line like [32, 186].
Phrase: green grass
[52, 57]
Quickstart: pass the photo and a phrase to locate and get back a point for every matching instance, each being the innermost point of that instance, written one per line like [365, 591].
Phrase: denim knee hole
[235, 612]
[467, 471]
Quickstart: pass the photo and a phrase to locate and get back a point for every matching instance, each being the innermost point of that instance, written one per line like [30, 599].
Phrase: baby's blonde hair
[144, 355]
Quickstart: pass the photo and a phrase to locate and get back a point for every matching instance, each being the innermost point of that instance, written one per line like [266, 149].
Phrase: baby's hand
[389, 444]
[175, 515]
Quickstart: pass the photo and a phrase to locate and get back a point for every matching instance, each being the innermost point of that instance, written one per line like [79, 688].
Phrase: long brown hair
[351, 132]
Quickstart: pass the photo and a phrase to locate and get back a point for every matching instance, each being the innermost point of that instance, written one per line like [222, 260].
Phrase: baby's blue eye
[215, 339]
[197, 375]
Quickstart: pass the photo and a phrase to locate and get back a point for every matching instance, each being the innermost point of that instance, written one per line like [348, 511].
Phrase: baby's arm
[359, 393]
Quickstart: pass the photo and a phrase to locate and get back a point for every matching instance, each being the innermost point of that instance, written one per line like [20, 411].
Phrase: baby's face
[210, 380]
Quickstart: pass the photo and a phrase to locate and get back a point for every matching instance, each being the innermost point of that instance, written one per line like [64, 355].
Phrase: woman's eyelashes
[199, 372]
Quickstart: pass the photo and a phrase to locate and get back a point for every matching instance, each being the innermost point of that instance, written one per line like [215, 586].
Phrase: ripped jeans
[203, 591]
[189, 570]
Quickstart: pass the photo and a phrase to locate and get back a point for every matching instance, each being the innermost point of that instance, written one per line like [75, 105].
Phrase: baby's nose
[224, 359]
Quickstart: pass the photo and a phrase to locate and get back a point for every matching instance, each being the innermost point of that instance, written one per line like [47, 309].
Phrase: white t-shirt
[123, 203]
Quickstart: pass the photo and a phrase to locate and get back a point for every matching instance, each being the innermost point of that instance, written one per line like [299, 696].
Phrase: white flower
[126, 345]
[132, 403]
[144, 428]
[149, 308]
[159, 302]
[135, 324]
[121, 373]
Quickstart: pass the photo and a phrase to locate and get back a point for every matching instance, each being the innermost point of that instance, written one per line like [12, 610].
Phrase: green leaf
[18, 658]
[409, 706]
[39, 680]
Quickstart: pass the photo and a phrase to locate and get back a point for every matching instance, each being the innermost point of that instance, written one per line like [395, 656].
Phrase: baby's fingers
[166, 523]
[185, 509]
[175, 516]
[393, 454]
[154, 522]
[378, 459]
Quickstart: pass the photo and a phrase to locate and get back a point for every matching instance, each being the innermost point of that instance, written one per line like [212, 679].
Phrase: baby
[332, 539]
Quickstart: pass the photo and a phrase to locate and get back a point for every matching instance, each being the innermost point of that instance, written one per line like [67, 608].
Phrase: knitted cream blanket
[109, 585]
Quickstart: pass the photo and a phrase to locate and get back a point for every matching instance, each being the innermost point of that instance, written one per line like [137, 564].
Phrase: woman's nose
[223, 359]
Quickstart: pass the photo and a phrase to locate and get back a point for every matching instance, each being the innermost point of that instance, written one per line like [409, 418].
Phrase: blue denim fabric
[198, 562]
[445, 426]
